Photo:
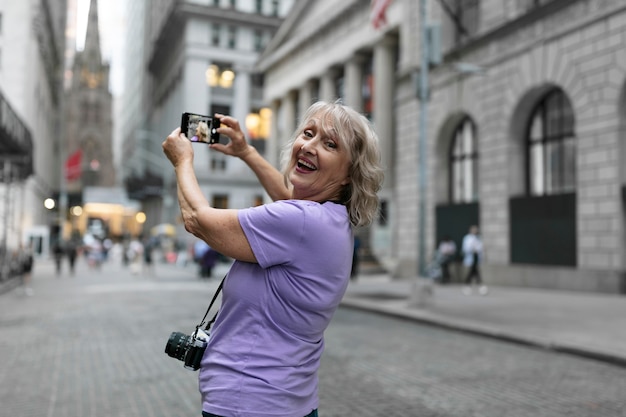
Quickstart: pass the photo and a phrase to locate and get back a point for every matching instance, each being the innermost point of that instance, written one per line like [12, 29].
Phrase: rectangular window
[219, 109]
[464, 164]
[569, 164]
[275, 8]
[220, 75]
[216, 31]
[259, 6]
[553, 167]
[232, 37]
[220, 201]
[258, 40]
[367, 88]
[218, 163]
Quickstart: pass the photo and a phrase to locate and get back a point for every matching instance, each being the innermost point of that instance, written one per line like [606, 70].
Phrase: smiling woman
[293, 258]
[344, 130]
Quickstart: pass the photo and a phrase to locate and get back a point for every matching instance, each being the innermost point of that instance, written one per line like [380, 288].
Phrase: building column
[353, 71]
[383, 117]
[273, 144]
[241, 95]
[383, 121]
[290, 115]
[328, 91]
[195, 88]
[305, 98]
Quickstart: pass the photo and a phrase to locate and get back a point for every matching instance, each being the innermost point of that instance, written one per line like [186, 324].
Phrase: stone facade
[577, 47]
[32, 41]
[88, 115]
[189, 44]
[497, 68]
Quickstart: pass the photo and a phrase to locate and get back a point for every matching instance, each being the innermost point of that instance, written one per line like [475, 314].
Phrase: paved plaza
[92, 344]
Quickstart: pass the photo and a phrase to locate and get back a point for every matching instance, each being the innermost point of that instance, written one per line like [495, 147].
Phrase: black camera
[199, 128]
[188, 349]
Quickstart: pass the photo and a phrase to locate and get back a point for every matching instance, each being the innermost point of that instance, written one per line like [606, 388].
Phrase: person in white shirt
[472, 255]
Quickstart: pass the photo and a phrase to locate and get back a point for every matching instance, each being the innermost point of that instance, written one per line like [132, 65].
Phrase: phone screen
[200, 128]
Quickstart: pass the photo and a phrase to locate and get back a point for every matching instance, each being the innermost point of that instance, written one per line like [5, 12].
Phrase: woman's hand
[238, 146]
[177, 148]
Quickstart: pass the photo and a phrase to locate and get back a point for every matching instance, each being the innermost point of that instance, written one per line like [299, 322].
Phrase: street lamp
[140, 217]
[49, 203]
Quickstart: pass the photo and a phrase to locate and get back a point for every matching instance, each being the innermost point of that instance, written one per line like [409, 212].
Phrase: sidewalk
[586, 324]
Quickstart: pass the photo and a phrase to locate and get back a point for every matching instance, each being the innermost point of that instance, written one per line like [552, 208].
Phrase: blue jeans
[312, 414]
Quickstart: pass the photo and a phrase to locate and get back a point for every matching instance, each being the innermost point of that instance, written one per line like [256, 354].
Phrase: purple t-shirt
[267, 342]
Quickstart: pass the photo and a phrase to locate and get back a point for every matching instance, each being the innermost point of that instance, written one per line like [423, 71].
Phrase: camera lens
[177, 345]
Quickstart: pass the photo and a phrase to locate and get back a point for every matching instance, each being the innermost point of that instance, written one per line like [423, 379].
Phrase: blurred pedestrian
[107, 244]
[135, 255]
[72, 251]
[148, 261]
[209, 258]
[472, 256]
[446, 252]
[58, 253]
[27, 261]
[95, 253]
[200, 248]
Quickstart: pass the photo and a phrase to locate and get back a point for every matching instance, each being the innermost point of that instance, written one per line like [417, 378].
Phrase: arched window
[551, 146]
[463, 162]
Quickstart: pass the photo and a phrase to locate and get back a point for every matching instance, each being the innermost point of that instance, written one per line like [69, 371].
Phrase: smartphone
[200, 128]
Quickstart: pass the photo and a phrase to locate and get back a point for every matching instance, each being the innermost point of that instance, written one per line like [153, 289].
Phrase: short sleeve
[274, 231]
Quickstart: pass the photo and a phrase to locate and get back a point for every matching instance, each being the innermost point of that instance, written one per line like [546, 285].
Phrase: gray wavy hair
[366, 173]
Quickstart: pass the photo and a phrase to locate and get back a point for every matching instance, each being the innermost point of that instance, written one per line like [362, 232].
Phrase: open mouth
[306, 165]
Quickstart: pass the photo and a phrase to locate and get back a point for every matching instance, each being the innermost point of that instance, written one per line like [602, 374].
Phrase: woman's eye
[308, 133]
[331, 144]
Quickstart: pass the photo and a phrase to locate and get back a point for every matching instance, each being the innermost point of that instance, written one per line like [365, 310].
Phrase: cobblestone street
[93, 345]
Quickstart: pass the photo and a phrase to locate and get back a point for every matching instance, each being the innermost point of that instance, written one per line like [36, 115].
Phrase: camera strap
[217, 292]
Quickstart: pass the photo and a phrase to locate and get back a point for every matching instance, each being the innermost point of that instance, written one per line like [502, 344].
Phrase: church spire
[92, 38]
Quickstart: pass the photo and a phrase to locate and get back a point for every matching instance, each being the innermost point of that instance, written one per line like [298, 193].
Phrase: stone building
[200, 57]
[524, 131]
[32, 42]
[88, 115]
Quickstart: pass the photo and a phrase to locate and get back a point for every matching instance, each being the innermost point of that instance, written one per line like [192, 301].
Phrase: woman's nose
[309, 146]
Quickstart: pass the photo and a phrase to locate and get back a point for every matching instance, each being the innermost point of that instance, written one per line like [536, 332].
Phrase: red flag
[73, 169]
[377, 14]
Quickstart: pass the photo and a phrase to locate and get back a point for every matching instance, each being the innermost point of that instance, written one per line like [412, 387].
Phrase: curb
[424, 317]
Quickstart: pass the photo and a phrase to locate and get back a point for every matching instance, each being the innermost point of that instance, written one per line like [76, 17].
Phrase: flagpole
[62, 193]
[423, 131]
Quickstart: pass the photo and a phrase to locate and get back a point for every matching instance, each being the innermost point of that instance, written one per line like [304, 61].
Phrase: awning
[16, 144]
